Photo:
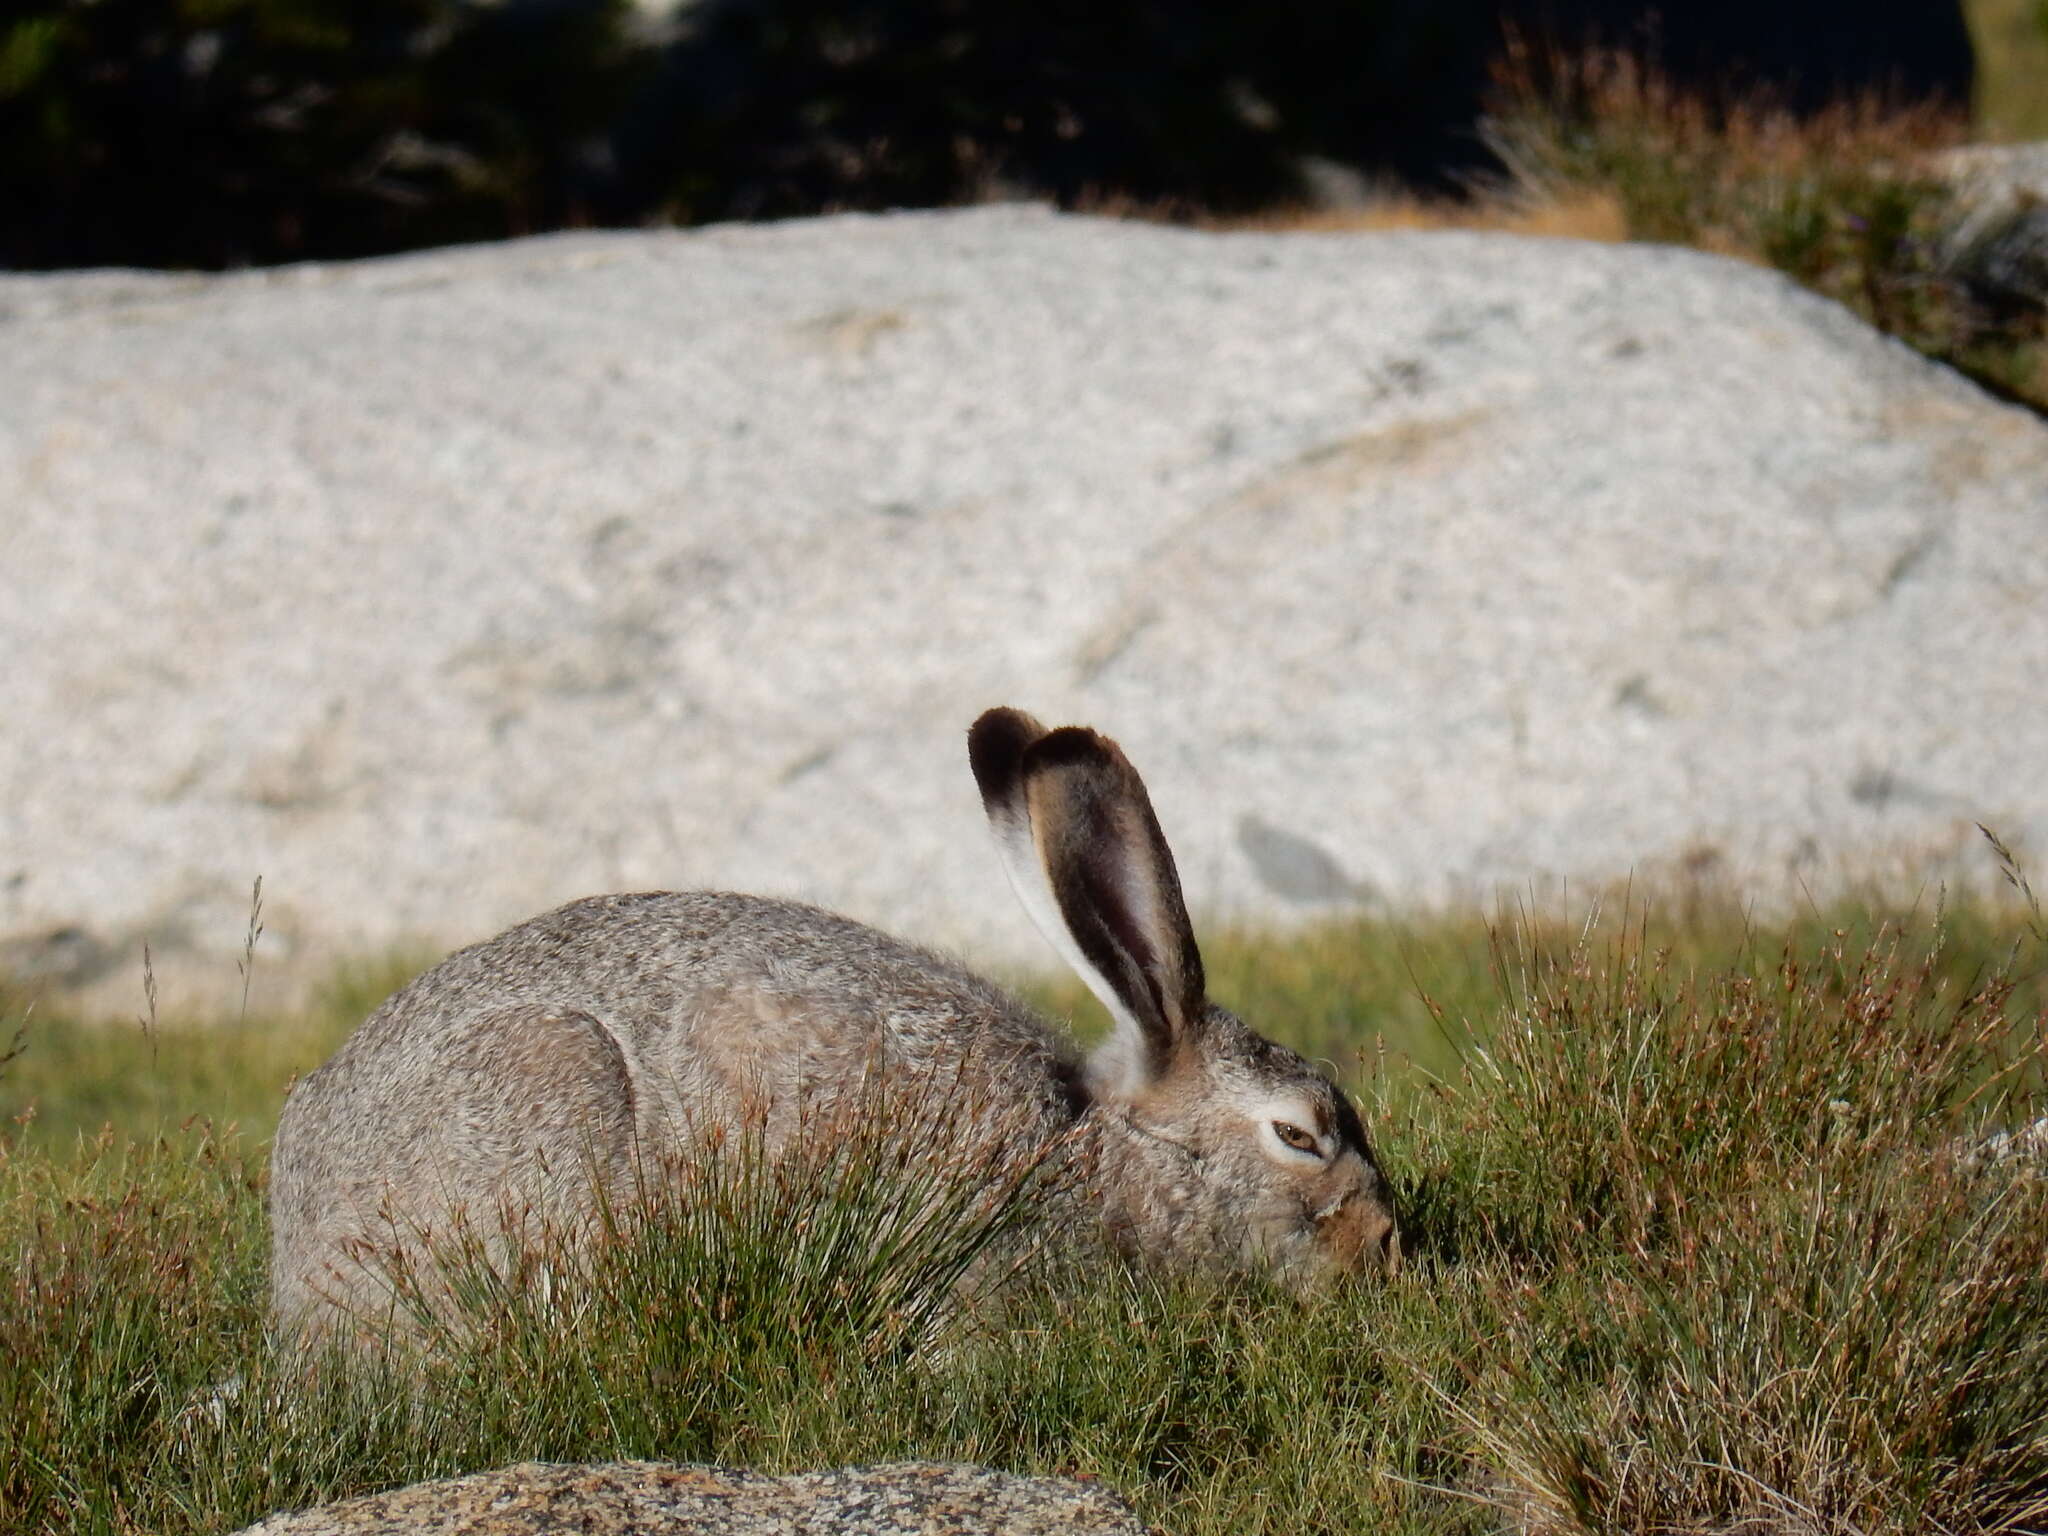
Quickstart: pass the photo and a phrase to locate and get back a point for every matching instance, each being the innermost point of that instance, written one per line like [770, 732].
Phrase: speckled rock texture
[440, 590]
[647, 1498]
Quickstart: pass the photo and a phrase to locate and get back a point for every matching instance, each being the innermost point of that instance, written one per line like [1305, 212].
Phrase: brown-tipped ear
[995, 751]
[996, 745]
[1116, 890]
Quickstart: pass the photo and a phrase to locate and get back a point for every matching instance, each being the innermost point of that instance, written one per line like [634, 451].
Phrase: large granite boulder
[646, 1498]
[440, 589]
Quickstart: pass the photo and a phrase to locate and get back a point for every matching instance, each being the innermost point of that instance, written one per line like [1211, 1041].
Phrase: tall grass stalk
[246, 966]
[2016, 877]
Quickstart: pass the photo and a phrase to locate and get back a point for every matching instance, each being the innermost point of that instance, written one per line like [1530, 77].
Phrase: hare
[540, 1066]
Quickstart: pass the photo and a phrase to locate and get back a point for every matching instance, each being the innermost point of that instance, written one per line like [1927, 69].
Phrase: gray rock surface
[645, 1498]
[1999, 245]
[2025, 1148]
[1996, 173]
[440, 589]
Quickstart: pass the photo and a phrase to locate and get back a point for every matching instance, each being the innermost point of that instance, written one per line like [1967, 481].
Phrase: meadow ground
[1711, 1225]
[1704, 1235]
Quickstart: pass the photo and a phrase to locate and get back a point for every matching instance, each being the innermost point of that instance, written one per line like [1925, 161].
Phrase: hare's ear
[1085, 855]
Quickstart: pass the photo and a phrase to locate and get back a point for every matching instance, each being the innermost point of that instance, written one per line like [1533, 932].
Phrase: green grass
[1698, 1244]
[74, 1077]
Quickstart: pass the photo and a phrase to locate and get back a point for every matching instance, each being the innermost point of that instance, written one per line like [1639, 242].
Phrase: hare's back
[709, 994]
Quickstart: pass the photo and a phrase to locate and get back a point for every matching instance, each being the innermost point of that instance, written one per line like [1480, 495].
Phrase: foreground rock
[442, 589]
[645, 1498]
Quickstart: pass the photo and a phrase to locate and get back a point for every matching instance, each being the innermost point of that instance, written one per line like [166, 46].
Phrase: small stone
[650, 1498]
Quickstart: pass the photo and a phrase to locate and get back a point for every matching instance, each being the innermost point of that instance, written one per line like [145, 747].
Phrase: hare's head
[1220, 1147]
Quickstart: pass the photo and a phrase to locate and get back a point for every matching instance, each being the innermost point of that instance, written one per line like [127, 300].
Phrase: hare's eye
[1294, 1136]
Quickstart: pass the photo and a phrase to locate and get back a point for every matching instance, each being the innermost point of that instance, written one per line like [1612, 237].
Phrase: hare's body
[541, 1071]
[565, 1047]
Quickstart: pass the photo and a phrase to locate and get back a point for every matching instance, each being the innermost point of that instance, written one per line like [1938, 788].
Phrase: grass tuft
[866, 1234]
[1764, 1277]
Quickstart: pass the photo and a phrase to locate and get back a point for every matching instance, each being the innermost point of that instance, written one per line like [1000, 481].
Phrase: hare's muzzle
[1360, 1235]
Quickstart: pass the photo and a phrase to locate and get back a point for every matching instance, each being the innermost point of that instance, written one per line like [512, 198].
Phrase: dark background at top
[213, 133]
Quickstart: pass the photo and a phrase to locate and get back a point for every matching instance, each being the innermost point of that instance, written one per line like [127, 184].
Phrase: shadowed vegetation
[219, 133]
[1849, 201]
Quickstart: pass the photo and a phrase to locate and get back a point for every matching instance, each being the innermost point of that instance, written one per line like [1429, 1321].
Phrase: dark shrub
[222, 132]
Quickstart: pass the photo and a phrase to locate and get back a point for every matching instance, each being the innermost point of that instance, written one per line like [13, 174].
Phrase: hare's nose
[1384, 1244]
[1361, 1234]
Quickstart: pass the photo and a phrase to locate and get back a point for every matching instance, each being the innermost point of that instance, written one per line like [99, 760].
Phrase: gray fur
[530, 1072]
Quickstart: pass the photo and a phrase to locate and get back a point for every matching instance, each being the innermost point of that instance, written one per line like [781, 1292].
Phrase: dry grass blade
[2016, 877]
[148, 1019]
[247, 964]
[17, 1044]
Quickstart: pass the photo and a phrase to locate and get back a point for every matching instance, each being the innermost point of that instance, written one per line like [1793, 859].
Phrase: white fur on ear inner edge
[1124, 1053]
